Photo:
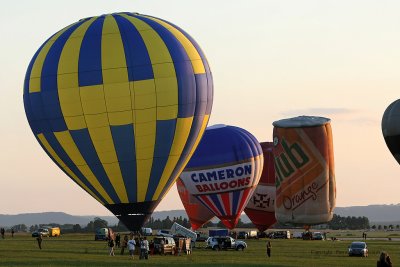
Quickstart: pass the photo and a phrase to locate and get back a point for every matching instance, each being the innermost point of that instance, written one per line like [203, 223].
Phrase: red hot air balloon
[198, 214]
[261, 207]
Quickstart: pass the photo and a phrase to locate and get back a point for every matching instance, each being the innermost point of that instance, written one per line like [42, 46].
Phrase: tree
[379, 227]
[373, 227]
[76, 228]
[397, 226]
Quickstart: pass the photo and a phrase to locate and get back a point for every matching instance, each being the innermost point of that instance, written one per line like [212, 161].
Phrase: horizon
[269, 61]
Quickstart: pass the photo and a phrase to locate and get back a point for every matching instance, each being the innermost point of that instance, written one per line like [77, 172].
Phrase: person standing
[111, 247]
[269, 249]
[124, 244]
[131, 247]
[118, 240]
[39, 240]
[144, 248]
[12, 232]
[2, 231]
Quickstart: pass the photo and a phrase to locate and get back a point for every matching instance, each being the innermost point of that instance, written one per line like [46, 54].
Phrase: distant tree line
[349, 222]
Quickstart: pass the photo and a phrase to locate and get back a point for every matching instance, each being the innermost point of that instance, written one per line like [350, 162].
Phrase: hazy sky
[270, 60]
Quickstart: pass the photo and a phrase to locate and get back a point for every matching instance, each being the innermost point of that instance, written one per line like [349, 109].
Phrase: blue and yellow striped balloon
[120, 102]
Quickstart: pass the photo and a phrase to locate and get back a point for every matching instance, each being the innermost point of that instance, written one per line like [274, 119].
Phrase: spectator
[144, 248]
[131, 247]
[2, 231]
[384, 260]
[269, 249]
[39, 241]
[118, 240]
[124, 244]
[111, 247]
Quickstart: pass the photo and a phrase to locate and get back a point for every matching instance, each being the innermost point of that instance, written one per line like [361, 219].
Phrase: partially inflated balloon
[261, 206]
[198, 213]
[304, 167]
[391, 128]
[224, 171]
[119, 102]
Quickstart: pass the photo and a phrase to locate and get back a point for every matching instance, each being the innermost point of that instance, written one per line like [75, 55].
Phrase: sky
[270, 60]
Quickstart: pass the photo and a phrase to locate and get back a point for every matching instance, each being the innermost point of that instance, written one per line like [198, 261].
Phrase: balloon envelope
[119, 102]
[261, 206]
[304, 167]
[391, 128]
[224, 171]
[198, 213]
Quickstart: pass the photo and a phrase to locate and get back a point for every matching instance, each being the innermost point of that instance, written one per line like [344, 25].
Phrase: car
[318, 236]
[41, 231]
[225, 242]
[281, 235]
[358, 249]
[164, 245]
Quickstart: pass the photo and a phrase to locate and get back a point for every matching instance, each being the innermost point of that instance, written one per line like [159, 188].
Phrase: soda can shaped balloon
[304, 167]
[261, 206]
[198, 213]
[224, 170]
[119, 102]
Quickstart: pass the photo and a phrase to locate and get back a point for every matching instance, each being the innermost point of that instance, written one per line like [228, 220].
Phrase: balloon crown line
[114, 13]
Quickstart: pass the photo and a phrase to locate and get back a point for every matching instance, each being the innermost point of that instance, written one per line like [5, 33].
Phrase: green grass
[81, 250]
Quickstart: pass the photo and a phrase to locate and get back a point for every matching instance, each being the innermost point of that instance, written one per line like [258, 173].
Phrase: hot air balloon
[261, 206]
[198, 213]
[391, 128]
[119, 102]
[304, 170]
[224, 171]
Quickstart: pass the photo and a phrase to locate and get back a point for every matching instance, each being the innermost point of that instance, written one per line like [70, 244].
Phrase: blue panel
[235, 201]
[164, 137]
[217, 203]
[253, 142]
[137, 57]
[52, 110]
[223, 145]
[178, 55]
[41, 123]
[86, 148]
[124, 143]
[187, 82]
[201, 94]
[210, 93]
[89, 65]
[64, 157]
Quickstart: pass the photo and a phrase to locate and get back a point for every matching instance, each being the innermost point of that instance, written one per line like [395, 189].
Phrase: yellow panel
[143, 94]
[114, 173]
[144, 129]
[143, 177]
[167, 113]
[146, 101]
[201, 132]
[143, 87]
[54, 155]
[167, 91]
[70, 102]
[120, 118]
[156, 47]
[191, 51]
[164, 70]
[116, 90]
[112, 53]
[92, 98]
[104, 146]
[182, 130]
[75, 123]
[96, 120]
[34, 84]
[145, 115]
[119, 104]
[119, 75]
[69, 146]
[67, 80]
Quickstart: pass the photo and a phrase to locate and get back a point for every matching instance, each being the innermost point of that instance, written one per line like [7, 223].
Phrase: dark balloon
[391, 128]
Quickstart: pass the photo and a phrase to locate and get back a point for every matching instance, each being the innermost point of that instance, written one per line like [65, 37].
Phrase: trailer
[178, 229]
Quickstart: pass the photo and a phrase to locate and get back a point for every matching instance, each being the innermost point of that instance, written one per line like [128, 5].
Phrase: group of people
[3, 232]
[129, 242]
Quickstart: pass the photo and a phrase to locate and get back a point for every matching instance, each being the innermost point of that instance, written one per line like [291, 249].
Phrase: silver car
[358, 249]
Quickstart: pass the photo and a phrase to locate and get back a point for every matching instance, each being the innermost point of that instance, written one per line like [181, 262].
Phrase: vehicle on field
[242, 235]
[201, 236]
[164, 245]
[146, 231]
[180, 230]
[297, 235]
[252, 234]
[225, 242]
[41, 231]
[281, 235]
[54, 231]
[103, 234]
[218, 232]
[165, 233]
[358, 249]
[318, 236]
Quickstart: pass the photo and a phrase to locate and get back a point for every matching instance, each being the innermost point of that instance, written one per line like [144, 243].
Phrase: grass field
[81, 250]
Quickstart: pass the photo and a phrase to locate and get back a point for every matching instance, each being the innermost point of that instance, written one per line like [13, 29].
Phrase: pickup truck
[225, 242]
